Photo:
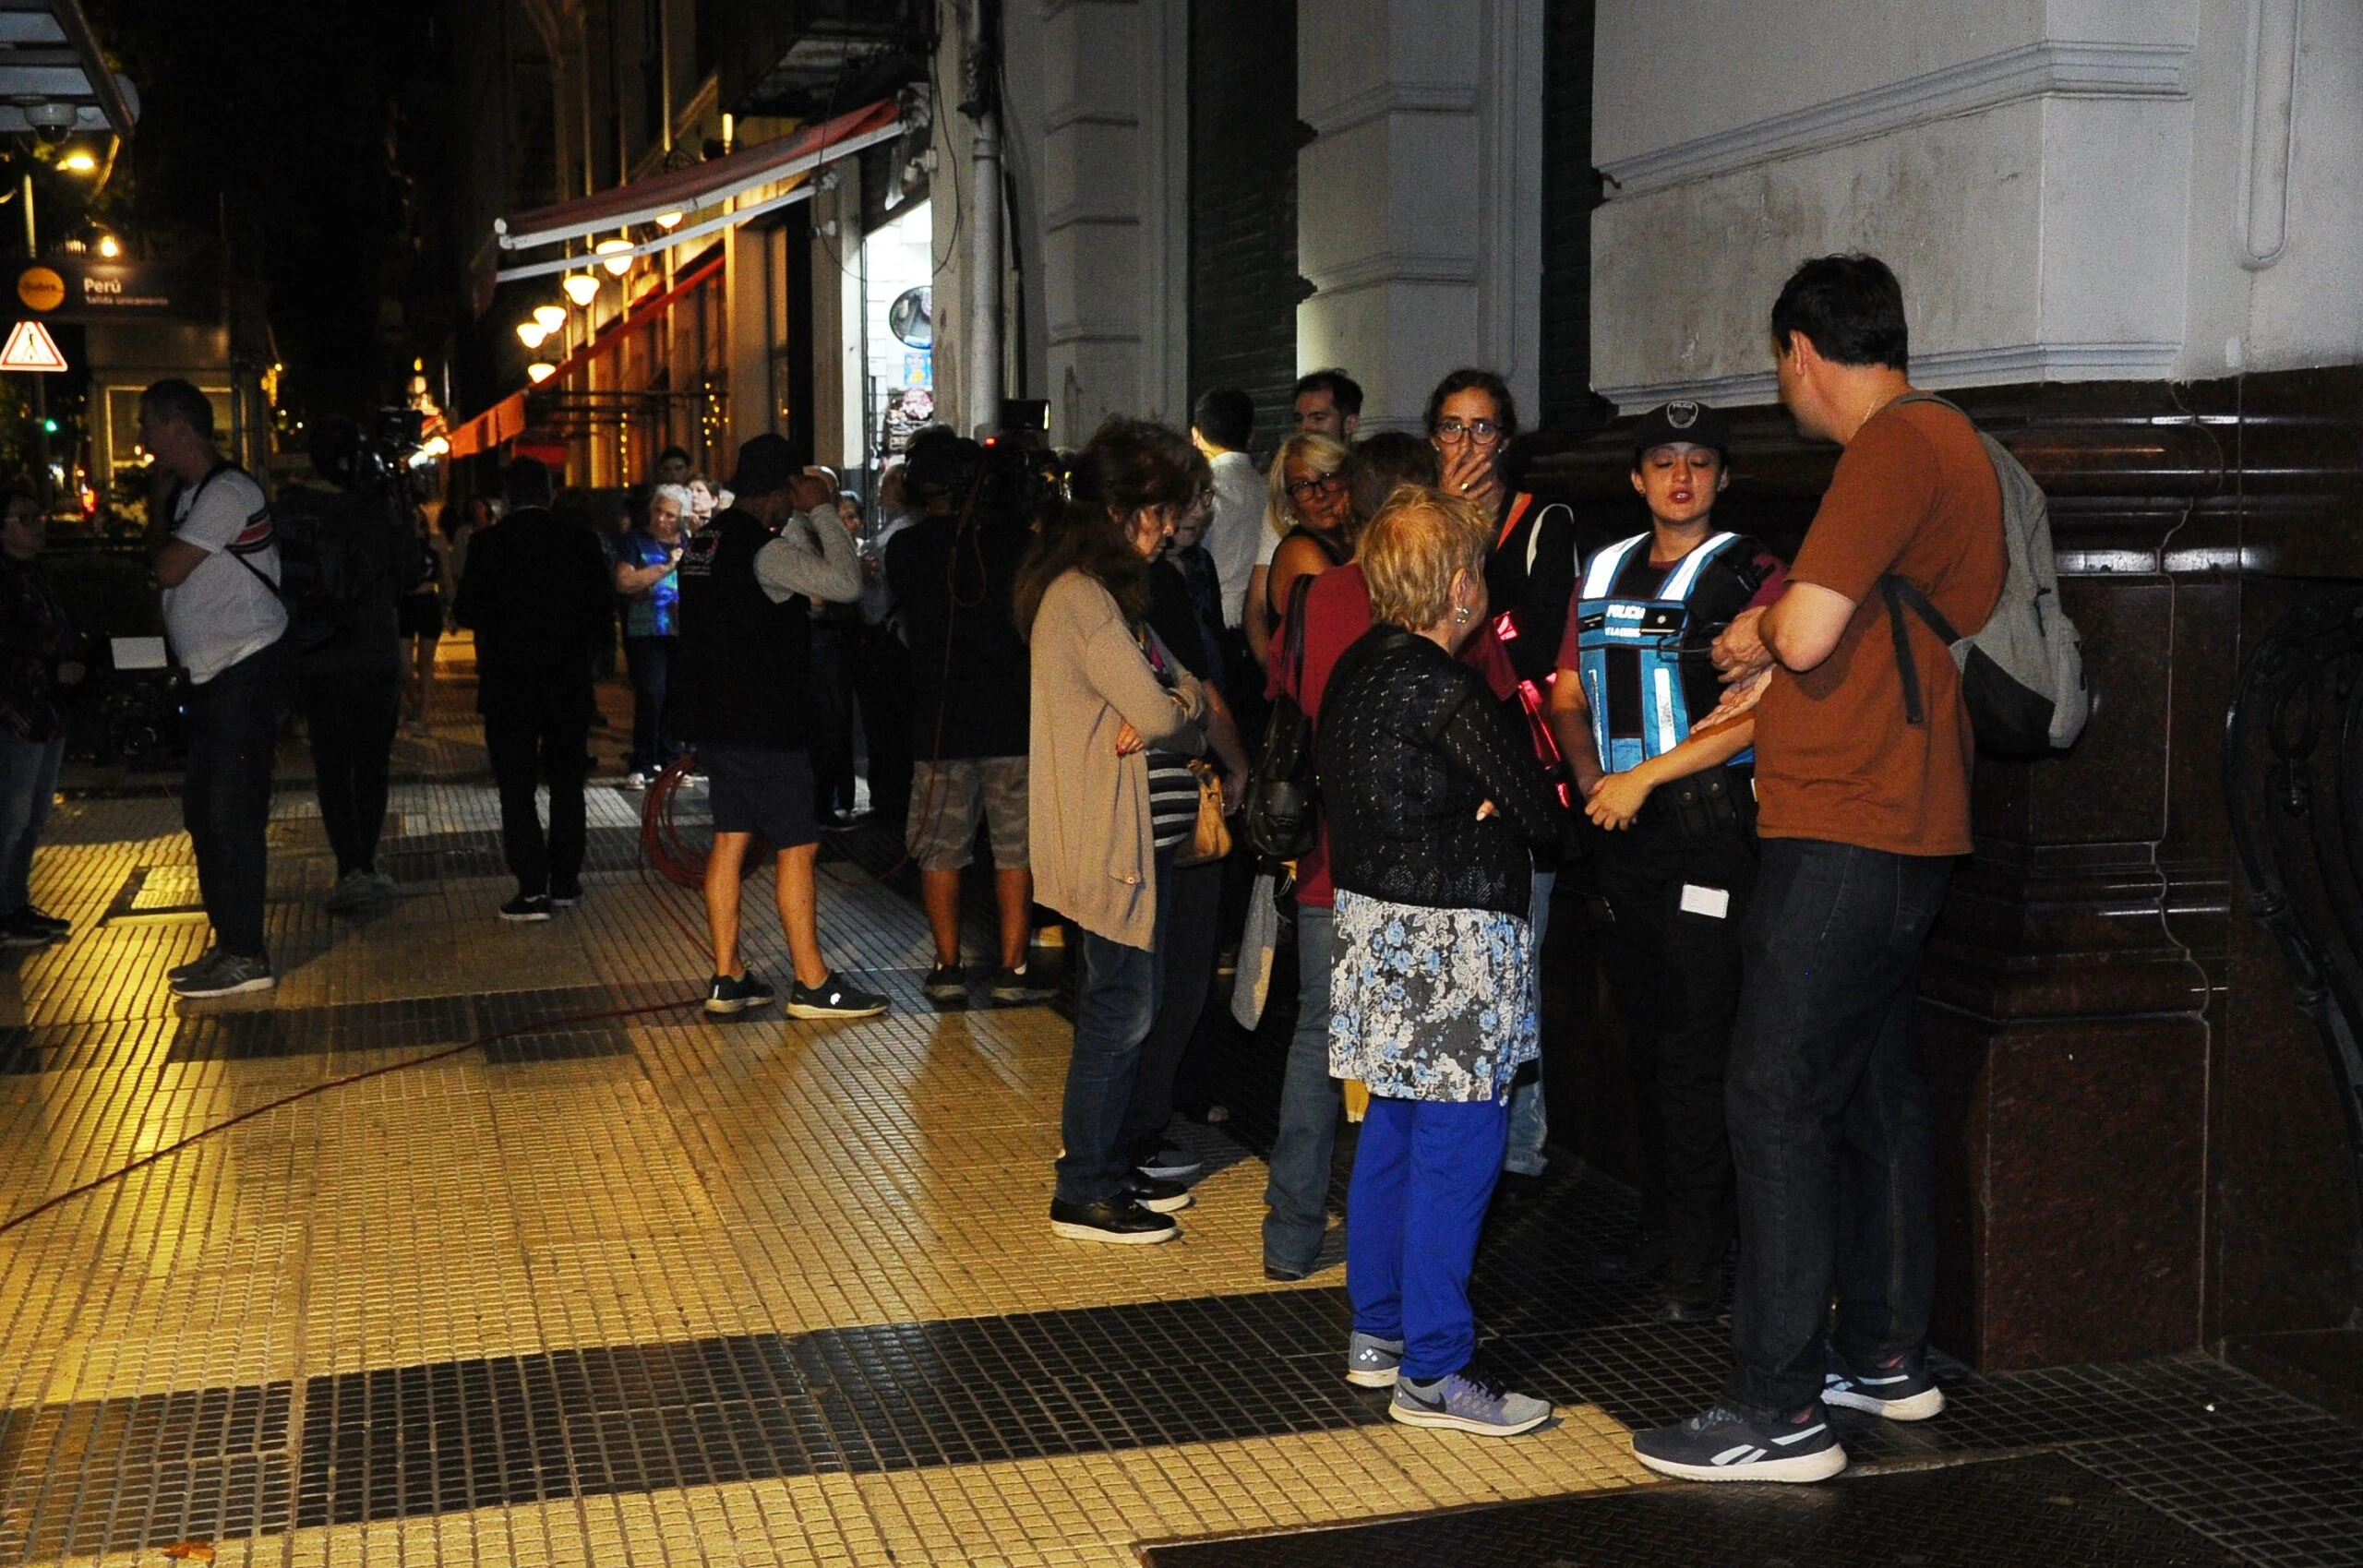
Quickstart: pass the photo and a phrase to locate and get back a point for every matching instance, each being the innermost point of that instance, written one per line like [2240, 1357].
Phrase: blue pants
[1831, 1135]
[1115, 1003]
[1424, 1173]
[1298, 1191]
[28, 780]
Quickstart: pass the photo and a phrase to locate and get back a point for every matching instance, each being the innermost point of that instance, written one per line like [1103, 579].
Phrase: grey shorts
[946, 797]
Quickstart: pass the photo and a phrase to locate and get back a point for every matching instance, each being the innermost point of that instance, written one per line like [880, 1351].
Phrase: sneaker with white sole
[1900, 1388]
[833, 998]
[1169, 1164]
[526, 906]
[727, 994]
[1019, 988]
[1722, 1444]
[1117, 1220]
[1466, 1403]
[633, 780]
[229, 974]
[1157, 1197]
[180, 972]
[945, 982]
[1371, 1362]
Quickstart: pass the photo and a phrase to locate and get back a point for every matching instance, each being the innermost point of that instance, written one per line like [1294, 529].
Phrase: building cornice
[1956, 367]
[1378, 101]
[2054, 69]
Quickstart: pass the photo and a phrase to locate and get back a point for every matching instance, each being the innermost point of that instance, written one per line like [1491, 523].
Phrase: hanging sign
[31, 348]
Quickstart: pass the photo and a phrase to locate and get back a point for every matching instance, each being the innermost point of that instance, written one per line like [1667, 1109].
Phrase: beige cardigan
[1086, 808]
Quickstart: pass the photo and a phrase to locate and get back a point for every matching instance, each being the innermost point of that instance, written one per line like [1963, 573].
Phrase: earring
[1461, 614]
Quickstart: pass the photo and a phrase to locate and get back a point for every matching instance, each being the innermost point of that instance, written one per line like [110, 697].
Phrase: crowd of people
[1712, 752]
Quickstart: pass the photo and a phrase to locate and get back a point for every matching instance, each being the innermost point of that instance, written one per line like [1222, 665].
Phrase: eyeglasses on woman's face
[1484, 432]
[1311, 484]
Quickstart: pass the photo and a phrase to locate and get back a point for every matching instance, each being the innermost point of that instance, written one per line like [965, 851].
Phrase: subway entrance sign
[30, 347]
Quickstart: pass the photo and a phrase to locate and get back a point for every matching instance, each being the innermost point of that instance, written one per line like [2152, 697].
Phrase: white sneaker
[635, 780]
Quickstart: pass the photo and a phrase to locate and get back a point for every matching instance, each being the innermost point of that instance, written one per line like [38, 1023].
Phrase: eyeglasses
[1484, 432]
[1302, 490]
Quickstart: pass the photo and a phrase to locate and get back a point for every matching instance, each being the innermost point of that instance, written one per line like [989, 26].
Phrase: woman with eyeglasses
[1529, 578]
[1308, 524]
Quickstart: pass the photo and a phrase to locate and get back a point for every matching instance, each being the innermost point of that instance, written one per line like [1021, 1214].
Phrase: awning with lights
[506, 420]
[682, 192]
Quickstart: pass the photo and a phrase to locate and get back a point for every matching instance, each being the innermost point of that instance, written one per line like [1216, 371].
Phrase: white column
[1419, 200]
[1114, 195]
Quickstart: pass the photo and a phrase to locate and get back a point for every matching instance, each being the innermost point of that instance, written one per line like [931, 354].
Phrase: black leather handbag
[1278, 822]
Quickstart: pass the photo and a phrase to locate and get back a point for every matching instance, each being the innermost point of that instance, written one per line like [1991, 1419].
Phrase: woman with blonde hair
[1436, 803]
[1308, 528]
[1114, 719]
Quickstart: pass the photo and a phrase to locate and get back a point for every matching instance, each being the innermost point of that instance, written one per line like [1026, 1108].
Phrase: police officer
[1676, 859]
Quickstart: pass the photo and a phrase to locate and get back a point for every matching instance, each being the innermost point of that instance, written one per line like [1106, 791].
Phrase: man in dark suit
[538, 598]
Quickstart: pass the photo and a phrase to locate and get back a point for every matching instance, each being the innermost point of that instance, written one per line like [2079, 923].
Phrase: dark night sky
[316, 127]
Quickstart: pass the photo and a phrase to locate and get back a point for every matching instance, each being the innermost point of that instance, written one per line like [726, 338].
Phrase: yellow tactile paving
[756, 1177]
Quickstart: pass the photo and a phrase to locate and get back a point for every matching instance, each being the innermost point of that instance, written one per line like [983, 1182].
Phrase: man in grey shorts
[951, 572]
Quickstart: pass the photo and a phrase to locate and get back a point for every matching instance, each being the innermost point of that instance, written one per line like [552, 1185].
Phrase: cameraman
[951, 572]
[350, 686]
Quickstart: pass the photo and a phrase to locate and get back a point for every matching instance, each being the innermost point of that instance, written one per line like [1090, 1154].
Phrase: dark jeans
[225, 802]
[1189, 943]
[1832, 1133]
[1298, 1191]
[1115, 1003]
[882, 683]
[28, 783]
[652, 662]
[831, 719]
[1675, 977]
[350, 721]
[531, 746]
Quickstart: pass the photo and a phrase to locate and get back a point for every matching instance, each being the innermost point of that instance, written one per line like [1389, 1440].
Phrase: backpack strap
[1898, 593]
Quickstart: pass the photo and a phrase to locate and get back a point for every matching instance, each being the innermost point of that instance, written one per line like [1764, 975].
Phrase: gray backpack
[2022, 672]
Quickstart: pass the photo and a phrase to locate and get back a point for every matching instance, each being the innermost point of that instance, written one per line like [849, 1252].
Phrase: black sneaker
[1721, 1444]
[567, 896]
[229, 974]
[526, 906]
[945, 982]
[57, 930]
[1157, 1197]
[1119, 1220]
[1019, 988]
[1643, 1260]
[1900, 1388]
[833, 998]
[18, 931]
[724, 994]
[1690, 1296]
[202, 960]
[1169, 1164]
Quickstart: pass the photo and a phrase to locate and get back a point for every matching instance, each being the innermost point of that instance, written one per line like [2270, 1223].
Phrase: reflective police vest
[1653, 630]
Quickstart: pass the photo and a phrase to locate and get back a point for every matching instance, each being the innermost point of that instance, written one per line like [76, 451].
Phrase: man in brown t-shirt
[1861, 811]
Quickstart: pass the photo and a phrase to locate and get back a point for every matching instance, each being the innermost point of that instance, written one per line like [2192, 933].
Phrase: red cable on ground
[321, 1088]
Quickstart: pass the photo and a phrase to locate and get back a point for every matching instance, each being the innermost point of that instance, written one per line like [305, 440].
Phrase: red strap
[1518, 503]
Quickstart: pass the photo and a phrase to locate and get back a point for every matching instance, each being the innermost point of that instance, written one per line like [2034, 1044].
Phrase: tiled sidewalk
[587, 1277]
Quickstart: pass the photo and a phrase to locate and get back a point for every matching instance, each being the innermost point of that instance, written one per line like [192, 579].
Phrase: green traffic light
[49, 426]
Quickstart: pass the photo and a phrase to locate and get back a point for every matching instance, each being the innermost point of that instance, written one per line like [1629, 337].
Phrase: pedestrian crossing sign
[31, 348]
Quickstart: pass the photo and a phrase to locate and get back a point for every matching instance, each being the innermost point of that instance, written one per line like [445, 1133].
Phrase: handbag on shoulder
[1278, 820]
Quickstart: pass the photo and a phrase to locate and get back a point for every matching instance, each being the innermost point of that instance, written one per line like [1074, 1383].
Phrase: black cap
[766, 463]
[1682, 420]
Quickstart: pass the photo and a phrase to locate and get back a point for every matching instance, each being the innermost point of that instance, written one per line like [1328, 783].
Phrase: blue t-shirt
[651, 611]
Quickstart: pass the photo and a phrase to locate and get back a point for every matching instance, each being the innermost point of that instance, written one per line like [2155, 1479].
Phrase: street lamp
[551, 316]
[80, 161]
[580, 287]
[531, 333]
[539, 372]
[668, 221]
[615, 255]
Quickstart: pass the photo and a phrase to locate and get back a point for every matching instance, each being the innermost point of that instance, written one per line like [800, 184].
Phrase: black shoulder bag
[1278, 819]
